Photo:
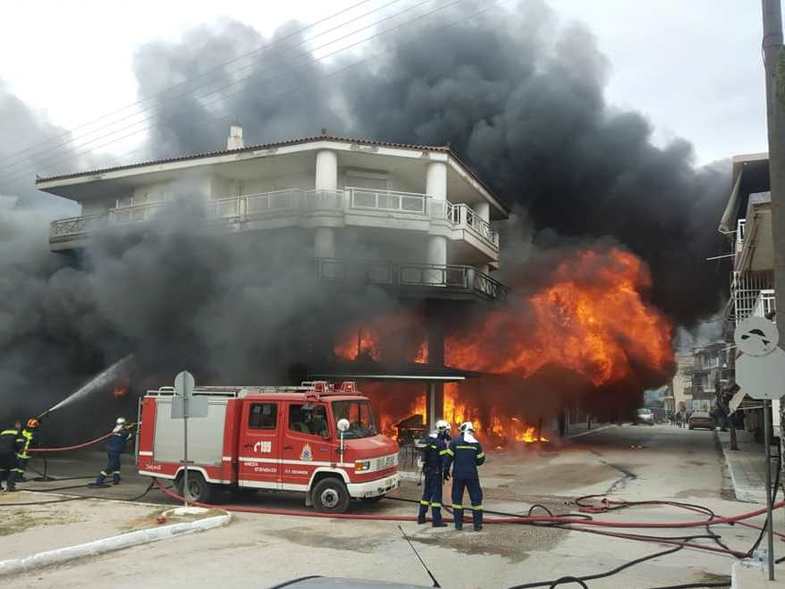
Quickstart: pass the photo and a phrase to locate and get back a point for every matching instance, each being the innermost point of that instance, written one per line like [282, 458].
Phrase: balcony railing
[765, 304]
[249, 207]
[457, 279]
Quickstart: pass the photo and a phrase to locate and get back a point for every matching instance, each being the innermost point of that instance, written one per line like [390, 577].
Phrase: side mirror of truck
[343, 425]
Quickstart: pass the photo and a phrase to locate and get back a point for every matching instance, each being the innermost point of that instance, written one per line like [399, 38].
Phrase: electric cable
[219, 93]
[209, 72]
[583, 578]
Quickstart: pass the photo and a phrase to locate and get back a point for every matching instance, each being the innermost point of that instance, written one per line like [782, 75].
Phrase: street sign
[760, 370]
[184, 384]
[197, 407]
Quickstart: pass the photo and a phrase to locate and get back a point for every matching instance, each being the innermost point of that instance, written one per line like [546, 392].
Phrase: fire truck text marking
[263, 447]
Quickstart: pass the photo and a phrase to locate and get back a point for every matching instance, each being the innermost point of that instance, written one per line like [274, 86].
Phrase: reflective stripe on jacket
[465, 457]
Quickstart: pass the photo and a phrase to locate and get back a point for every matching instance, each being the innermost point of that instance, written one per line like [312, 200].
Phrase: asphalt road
[630, 462]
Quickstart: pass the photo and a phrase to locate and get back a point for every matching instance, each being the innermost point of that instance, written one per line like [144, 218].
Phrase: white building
[681, 386]
[423, 217]
[747, 223]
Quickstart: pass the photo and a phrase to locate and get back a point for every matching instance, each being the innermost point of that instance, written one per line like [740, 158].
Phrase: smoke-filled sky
[528, 97]
[692, 67]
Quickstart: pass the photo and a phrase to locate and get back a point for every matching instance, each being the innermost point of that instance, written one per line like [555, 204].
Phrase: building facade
[411, 218]
[746, 222]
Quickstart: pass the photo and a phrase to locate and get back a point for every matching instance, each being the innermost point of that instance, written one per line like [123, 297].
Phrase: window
[362, 422]
[263, 416]
[308, 419]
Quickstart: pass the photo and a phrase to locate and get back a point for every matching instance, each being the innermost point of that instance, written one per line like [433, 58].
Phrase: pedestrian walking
[465, 454]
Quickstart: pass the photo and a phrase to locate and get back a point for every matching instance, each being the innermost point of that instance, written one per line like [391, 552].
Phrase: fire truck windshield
[362, 421]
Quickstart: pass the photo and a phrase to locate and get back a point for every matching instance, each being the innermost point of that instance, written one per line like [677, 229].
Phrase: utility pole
[774, 61]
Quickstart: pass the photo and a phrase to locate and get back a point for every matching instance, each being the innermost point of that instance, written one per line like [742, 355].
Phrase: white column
[436, 189]
[326, 177]
[324, 242]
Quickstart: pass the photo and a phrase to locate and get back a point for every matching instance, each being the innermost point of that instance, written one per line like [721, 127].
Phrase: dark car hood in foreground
[341, 583]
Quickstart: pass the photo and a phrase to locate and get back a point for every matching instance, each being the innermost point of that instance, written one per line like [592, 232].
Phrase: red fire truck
[314, 439]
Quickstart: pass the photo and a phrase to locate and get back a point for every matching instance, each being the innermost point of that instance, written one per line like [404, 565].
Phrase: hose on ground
[69, 448]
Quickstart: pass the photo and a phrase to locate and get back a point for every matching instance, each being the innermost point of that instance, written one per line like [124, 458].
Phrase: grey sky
[693, 67]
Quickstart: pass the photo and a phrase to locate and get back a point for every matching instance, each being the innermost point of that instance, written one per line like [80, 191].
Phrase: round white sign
[756, 336]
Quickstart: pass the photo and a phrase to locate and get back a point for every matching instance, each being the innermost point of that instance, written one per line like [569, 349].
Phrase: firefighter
[115, 446]
[11, 442]
[465, 454]
[434, 450]
[30, 440]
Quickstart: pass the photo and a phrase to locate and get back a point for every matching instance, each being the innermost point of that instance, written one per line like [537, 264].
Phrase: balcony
[452, 280]
[294, 202]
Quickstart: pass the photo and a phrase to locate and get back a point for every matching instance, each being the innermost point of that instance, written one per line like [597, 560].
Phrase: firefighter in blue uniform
[115, 446]
[11, 441]
[465, 454]
[434, 449]
[30, 440]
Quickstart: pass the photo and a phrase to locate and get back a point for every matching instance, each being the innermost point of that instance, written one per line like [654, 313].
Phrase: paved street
[631, 462]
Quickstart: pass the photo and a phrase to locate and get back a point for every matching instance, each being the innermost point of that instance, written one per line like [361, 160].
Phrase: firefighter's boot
[10, 484]
[423, 511]
[99, 480]
[115, 478]
[457, 515]
[477, 517]
[437, 517]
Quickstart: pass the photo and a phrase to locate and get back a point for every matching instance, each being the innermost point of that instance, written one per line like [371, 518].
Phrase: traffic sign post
[184, 388]
[760, 372]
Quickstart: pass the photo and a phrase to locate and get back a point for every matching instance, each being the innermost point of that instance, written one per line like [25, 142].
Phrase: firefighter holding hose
[464, 455]
[434, 449]
[115, 446]
[29, 436]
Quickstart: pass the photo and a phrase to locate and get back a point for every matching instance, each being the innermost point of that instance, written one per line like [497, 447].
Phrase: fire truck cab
[314, 439]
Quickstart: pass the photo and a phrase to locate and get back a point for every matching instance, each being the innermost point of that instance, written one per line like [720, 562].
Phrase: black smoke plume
[516, 94]
[513, 92]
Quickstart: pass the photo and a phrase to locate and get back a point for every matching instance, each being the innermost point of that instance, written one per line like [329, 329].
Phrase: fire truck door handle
[287, 447]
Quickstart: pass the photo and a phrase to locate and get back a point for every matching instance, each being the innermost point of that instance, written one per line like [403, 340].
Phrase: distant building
[710, 374]
[680, 390]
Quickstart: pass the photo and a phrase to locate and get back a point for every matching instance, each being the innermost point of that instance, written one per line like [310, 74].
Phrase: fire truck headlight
[362, 465]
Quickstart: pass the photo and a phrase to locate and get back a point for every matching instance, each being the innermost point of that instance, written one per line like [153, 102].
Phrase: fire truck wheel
[199, 490]
[330, 496]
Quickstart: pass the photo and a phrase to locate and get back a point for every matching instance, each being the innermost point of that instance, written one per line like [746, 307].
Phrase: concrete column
[436, 180]
[434, 406]
[436, 189]
[434, 320]
[326, 177]
[324, 242]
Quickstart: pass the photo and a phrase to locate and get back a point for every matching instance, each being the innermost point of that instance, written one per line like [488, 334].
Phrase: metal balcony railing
[764, 304]
[249, 207]
[457, 278]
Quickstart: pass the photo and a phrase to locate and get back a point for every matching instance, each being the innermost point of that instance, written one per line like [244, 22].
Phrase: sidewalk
[746, 467]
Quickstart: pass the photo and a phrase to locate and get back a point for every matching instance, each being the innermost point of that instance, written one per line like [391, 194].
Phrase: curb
[742, 493]
[110, 544]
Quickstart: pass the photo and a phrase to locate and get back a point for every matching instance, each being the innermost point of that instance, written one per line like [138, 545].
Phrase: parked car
[644, 416]
[700, 419]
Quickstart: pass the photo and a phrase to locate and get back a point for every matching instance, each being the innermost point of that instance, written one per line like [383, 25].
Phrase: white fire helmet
[467, 426]
[120, 421]
[442, 425]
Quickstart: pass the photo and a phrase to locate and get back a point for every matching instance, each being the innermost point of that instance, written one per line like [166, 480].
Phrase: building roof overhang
[64, 185]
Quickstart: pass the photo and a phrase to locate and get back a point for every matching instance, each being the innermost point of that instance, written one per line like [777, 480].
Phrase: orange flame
[592, 319]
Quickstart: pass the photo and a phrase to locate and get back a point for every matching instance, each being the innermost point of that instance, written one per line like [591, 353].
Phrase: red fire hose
[67, 448]
[536, 519]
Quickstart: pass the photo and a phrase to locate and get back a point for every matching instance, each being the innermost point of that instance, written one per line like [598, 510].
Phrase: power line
[208, 72]
[157, 106]
[216, 92]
